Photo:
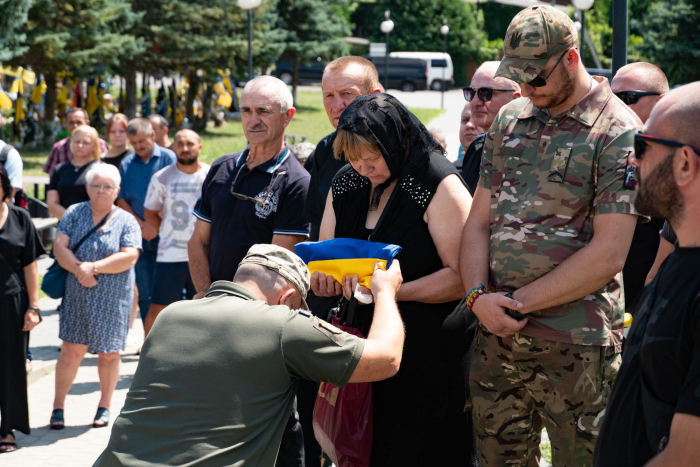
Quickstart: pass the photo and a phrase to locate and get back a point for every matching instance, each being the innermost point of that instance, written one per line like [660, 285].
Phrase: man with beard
[486, 95]
[172, 194]
[653, 416]
[640, 85]
[546, 239]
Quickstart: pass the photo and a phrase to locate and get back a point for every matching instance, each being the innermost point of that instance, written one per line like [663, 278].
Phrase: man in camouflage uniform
[551, 223]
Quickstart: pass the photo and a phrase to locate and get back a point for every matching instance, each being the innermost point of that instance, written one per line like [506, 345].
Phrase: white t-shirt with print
[174, 193]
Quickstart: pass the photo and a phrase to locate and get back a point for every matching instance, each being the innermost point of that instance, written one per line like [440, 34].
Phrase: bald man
[486, 95]
[172, 194]
[653, 415]
[640, 86]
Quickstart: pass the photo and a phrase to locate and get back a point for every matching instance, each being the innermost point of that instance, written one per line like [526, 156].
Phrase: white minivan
[436, 63]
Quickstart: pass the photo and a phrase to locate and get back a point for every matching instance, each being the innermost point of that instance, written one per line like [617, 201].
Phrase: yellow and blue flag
[343, 257]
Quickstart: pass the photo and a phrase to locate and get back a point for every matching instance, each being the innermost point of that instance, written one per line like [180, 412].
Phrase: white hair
[438, 134]
[272, 85]
[105, 171]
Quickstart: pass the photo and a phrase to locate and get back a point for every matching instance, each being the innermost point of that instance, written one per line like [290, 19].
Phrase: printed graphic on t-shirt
[174, 193]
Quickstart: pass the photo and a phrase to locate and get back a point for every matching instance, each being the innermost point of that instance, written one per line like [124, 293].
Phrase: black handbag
[54, 283]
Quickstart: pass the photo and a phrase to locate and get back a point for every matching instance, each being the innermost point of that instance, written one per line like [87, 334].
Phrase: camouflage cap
[535, 34]
[283, 262]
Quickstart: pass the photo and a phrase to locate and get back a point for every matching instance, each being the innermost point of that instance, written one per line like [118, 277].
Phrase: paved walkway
[78, 444]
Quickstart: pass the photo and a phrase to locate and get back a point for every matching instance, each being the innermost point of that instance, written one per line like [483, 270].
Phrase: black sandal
[56, 418]
[102, 415]
[13, 446]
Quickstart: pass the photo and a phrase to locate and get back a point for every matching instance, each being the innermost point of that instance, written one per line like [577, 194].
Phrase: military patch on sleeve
[330, 331]
[630, 181]
[559, 163]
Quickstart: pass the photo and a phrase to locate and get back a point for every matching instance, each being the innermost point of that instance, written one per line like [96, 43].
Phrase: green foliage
[417, 28]
[12, 19]
[82, 36]
[670, 32]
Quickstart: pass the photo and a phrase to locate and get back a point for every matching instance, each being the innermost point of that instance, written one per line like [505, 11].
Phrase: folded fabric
[343, 257]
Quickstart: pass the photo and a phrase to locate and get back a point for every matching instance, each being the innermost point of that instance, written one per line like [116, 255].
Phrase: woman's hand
[31, 319]
[85, 274]
[349, 284]
[325, 286]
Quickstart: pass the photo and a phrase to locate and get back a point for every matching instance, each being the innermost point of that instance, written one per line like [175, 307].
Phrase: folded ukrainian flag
[342, 257]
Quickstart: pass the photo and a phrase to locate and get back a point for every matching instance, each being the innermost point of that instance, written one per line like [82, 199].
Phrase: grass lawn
[310, 121]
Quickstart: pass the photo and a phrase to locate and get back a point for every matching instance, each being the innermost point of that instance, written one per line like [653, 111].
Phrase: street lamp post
[386, 27]
[582, 6]
[249, 5]
[444, 30]
[619, 52]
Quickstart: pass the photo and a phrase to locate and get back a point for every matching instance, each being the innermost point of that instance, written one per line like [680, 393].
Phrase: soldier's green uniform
[548, 177]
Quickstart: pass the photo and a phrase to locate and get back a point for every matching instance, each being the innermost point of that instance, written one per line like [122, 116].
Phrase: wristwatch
[94, 269]
[38, 311]
[512, 313]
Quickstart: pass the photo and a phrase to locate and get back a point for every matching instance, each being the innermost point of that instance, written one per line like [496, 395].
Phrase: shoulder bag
[54, 283]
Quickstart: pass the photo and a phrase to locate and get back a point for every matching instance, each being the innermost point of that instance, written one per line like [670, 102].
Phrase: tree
[312, 29]
[417, 28]
[81, 36]
[12, 20]
[671, 40]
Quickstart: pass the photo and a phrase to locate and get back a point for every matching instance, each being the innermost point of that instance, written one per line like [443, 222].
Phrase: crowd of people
[503, 314]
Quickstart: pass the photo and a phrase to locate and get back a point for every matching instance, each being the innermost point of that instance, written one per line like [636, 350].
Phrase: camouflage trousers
[520, 383]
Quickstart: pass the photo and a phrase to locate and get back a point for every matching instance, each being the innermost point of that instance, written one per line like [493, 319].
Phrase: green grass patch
[41, 281]
[310, 120]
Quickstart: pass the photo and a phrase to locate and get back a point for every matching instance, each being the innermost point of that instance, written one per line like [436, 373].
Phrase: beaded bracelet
[474, 294]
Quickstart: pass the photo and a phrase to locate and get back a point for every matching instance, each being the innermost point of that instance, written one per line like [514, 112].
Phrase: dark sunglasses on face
[640, 144]
[485, 94]
[632, 97]
[268, 190]
[541, 81]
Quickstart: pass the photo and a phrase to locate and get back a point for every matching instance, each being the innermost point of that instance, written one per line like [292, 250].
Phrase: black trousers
[291, 453]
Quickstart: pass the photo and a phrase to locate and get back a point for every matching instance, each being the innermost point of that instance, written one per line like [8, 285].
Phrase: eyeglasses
[106, 188]
[267, 191]
[485, 94]
[632, 97]
[640, 144]
[541, 81]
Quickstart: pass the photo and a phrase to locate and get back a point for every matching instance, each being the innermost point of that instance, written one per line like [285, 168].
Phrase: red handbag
[343, 419]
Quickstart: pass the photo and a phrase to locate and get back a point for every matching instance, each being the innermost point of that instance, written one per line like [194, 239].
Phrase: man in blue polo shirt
[250, 197]
[136, 171]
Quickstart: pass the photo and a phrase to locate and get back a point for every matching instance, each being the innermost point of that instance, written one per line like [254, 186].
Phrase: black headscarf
[402, 139]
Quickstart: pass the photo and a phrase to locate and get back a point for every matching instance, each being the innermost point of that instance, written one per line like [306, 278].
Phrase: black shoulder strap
[4, 152]
[94, 229]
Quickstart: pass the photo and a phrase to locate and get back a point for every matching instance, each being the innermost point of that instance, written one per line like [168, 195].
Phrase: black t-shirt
[117, 160]
[640, 259]
[70, 181]
[20, 245]
[238, 224]
[472, 162]
[323, 167]
[660, 373]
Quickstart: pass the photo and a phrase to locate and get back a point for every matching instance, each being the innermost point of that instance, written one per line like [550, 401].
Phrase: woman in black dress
[20, 245]
[67, 185]
[399, 188]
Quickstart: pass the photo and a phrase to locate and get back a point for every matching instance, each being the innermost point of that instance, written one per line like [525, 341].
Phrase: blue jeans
[145, 267]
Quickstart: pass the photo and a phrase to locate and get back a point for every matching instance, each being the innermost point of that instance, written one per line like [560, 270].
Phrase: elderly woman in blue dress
[96, 307]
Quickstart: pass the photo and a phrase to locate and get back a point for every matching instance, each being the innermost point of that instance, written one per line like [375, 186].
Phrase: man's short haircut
[684, 115]
[489, 69]
[185, 132]
[271, 84]
[438, 134]
[139, 126]
[78, 109]
[267, 280]
[370, 77]
[652, 77]
[117, 119]
[158, 118]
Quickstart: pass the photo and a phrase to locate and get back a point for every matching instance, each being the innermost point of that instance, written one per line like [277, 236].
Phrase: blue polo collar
[269, 166]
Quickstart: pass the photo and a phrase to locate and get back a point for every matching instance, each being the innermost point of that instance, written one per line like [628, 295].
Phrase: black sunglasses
[485, 94]
[541, 81]
[268, 190]
[640, 144]
[632, 97]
